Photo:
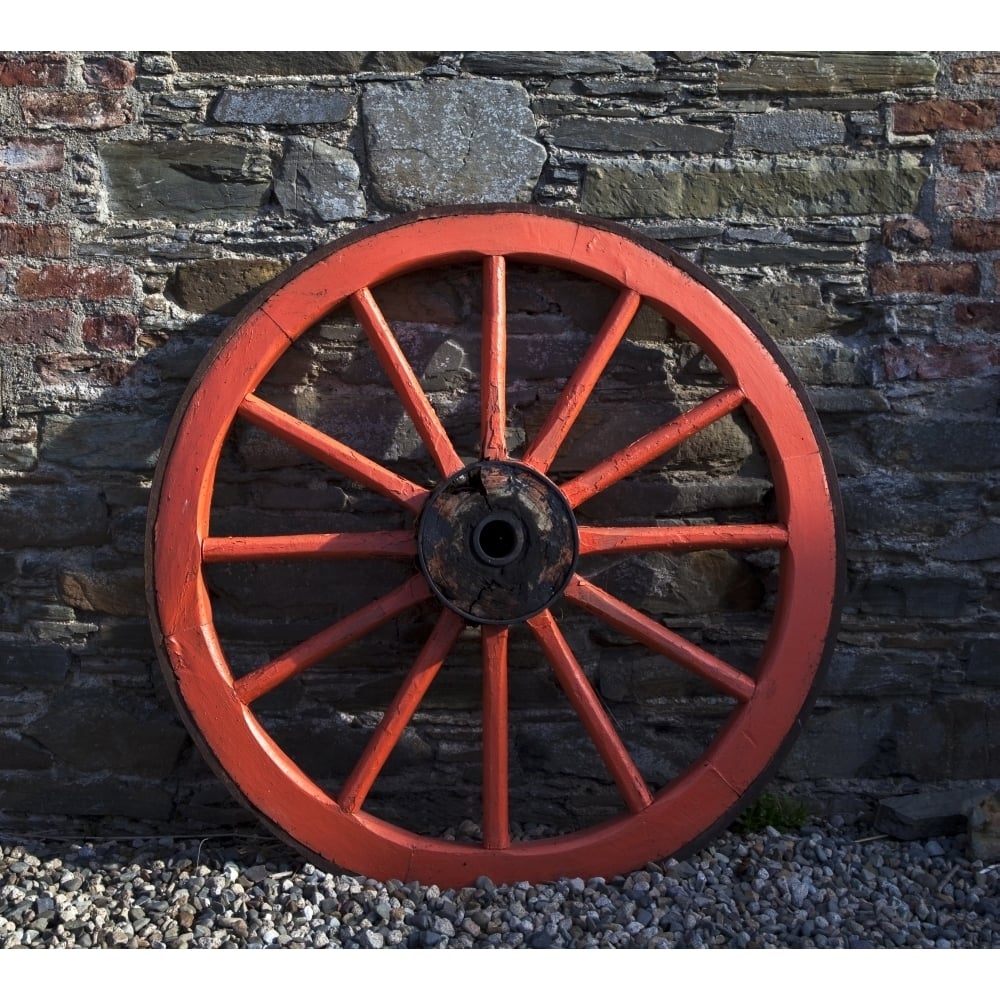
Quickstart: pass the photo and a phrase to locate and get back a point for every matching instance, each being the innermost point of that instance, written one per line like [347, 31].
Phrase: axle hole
[498, 539]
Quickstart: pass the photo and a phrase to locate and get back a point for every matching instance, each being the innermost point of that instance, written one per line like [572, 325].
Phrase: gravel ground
[824, 886]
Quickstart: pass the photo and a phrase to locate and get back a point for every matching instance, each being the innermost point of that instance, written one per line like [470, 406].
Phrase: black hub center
[497, 542]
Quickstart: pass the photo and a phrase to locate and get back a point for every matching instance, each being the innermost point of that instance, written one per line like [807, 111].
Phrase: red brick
[930, 116]
[977, 69]
[33, 240]
[960, 195]
[938, 278]
[110, 332]
[41, 155]
[37, 327]
[74, 281]
[34, 70]
[975, 235]
[933, 361]
[93, 110]
[974, 157]
[8, 199]
[109, 74]
[985, 315]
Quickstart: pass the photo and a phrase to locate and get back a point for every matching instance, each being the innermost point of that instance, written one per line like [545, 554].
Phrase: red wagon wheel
[493, 543]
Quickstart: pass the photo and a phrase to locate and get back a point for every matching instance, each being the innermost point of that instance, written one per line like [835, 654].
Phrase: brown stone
[906, 234]
[32, 70]
[975, 235]
[39, 240]
[933, 361]
[8, 199]
[87, 282]
[92, 110]
[222, 285]
[974, 157]
[110, 332]
[115, 593]
[38, 327]
[109, 74]
[977, 69]
[978, 314]
[932, 278]
[960, 195]
[931, 116]
[41, 155]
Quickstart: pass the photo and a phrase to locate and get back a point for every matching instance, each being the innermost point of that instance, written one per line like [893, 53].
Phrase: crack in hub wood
[497, 542]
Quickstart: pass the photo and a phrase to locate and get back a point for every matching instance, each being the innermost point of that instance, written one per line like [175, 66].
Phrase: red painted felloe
[766, 706]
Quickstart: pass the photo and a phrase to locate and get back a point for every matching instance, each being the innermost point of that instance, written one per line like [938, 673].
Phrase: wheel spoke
[342, 545]
[496, 821]
[651, 446]
[493, 387]
[331, 452]
[577, 390]
[266, 678]
[588, 707]
[397, 716]
[662, 640]
[405, 382]
[682, 538]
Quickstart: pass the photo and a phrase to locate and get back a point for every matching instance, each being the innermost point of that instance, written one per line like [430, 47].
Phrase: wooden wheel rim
[217, 709]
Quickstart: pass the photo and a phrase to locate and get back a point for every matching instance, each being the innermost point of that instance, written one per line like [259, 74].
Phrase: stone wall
[849, 200]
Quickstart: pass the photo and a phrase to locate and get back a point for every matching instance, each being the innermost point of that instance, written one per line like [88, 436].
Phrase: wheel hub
[497, 542]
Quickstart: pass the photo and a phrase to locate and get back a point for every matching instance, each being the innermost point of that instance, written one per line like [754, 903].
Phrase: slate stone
[319, 182]
[830, 73]
[841, 743]
[938, 813]
[34, 665]
[817, 187]
[222, 285]
[274, 106]
[786, 131]
[185, 181]
[556, 63]
[92, 732]
[23, 755]
[53, 516]
[302, 63]
[639, 137]
[984, 663]
[935, 443]
[790, 310]
[946, 739]
[445, 142]
[86, 795]
[981, 543]
[85, 441]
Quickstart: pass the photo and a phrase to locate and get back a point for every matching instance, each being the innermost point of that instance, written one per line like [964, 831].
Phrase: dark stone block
[556, 63]
[82, 442]
[53, 516]
[924, 814]
[637, 137]
[984, 663]
[934, 443]
[302, 63]
[94, 732]
[186, 181]
[948, 740]
[33, 665]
